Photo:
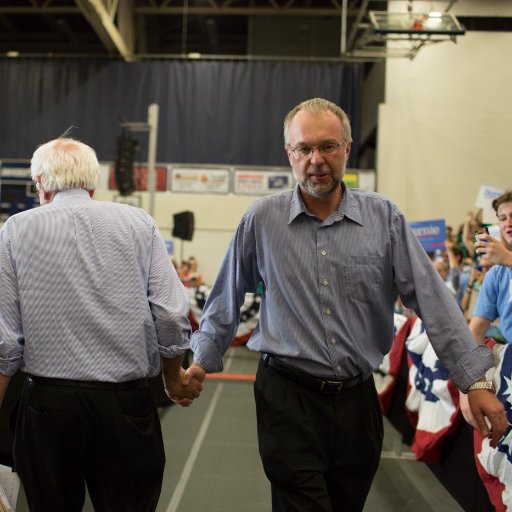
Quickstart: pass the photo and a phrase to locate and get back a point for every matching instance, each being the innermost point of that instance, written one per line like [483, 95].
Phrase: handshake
[182, 386]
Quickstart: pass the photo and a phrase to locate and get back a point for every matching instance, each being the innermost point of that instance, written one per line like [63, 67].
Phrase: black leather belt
[90, 384]
[329, 387]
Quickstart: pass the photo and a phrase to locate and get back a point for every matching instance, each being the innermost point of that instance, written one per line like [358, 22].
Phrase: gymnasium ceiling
[144, 29]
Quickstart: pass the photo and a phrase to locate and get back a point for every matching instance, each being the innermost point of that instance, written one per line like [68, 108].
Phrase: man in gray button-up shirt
[332, 261]
[89, 305]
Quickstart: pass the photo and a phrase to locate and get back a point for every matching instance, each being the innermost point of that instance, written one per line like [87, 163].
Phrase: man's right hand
[184, 387]
[195, 371]
[485, 405]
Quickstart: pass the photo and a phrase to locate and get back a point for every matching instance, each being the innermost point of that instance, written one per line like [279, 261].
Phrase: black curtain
[220, 112]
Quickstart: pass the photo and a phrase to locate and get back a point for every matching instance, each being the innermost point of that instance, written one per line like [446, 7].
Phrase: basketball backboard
[435, 23]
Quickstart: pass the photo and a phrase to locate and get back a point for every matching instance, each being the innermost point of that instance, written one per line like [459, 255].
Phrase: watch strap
[483, 384]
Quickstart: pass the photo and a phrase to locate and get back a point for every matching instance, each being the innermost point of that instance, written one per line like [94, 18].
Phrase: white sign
[486, 194]
[206, 181]
[261, 182]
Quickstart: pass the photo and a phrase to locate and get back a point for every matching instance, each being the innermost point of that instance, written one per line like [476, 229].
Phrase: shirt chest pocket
[362, 278]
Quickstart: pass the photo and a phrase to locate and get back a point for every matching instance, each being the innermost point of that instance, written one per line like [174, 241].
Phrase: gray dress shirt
[88, 292]
[329, 289]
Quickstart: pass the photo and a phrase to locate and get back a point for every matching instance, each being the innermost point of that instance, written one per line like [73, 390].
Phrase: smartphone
[478, 233]
[481, 231]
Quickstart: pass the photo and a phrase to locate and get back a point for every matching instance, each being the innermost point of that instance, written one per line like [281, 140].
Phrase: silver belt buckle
[338, 386]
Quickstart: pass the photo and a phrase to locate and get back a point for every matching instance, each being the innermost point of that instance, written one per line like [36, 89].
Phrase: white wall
[446, 125]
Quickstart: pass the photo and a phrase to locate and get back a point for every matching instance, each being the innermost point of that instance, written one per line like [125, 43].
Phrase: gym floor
[213, 462]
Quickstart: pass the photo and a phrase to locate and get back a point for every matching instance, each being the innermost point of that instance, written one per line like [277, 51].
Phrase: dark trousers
[107, 439]
[320, 452]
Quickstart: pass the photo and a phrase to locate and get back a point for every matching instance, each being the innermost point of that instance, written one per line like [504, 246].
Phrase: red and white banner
[433, 405]
[432, 399]
[495, 464]
[389, 370]
[249, 313]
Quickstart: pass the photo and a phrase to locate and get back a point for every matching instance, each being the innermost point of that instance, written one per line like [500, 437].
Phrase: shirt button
[332, 341]
[323, 253]
[325, 282]
[327, 311]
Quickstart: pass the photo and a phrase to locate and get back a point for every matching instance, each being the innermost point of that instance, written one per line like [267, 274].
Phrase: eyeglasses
[325, 149]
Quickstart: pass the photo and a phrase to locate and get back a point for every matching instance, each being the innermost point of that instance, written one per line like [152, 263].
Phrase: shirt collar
[348, 207]
[297, 205]
[72, 194]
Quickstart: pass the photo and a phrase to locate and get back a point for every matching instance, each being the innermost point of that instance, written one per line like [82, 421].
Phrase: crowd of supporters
[188, 272]
[459, 265]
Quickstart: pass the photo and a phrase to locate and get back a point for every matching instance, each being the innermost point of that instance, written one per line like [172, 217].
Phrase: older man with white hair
[89, 305]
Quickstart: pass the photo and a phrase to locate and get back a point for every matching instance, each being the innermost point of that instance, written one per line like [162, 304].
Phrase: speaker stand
[182, 248]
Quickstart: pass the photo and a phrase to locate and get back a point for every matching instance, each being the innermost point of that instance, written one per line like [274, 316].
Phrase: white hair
[65, 163]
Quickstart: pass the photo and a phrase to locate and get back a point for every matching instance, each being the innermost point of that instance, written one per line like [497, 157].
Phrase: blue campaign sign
[430, 233]
[170, 247]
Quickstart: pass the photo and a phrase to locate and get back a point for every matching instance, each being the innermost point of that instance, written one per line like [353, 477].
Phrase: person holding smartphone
[495, 296]
[491, 248]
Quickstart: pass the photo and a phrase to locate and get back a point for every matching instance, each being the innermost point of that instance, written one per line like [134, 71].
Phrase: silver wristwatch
[482, 384]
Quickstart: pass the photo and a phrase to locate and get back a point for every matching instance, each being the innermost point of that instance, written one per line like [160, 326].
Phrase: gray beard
[320, 191]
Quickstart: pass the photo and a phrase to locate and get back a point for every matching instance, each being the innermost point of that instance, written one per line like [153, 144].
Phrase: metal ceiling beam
[85, 8]
[242, 11]
[217, 7]
[126, 23]
[164, 9]
[101, 17]
[356, 24]
[48, 9]
[113, 20]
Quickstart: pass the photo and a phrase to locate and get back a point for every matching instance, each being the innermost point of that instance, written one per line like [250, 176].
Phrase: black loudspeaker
[183, 225]
[126, 149]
